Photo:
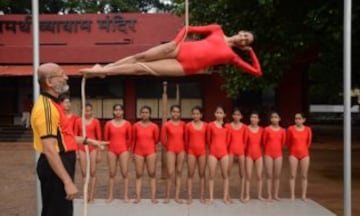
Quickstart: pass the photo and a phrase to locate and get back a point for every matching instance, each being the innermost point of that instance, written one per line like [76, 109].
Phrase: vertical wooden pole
[164, 119]
[177, 94]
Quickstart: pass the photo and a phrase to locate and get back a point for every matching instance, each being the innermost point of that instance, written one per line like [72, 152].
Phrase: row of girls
[205, 144]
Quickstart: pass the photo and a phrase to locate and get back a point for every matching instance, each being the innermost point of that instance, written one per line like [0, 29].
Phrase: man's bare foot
[154, 201]
[179, 201]
[189, 201]
[202, 200]
[269, 199]
[292, 198]
[137, 200]
[304, 198]
[126, 200]
[277, 198]
[109, 200]
[166, 200]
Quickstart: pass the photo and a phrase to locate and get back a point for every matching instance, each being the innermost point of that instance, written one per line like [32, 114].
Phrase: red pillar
[293, 94]
[130, 100]
[214, 96]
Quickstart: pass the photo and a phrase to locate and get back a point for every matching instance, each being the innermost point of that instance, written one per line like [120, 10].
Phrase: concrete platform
[253, 208]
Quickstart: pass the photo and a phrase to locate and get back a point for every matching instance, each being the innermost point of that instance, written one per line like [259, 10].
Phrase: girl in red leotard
[217, 139]
[237, 137]
[299, 139]
[195, 143]
[145, 138]
[254, 155]
[93, 131]
[69, 114]
[118, 132]
[179, 58]
[172, 137]
[274, 141]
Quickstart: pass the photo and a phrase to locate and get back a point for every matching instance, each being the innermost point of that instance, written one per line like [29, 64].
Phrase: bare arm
[57, 166]
[253, 69]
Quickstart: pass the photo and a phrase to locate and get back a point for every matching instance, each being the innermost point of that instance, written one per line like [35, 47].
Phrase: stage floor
[253, 208]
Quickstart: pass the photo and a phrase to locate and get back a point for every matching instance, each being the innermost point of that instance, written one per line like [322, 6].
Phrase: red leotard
[299, 142]
[195, 56]
[120, 137]
[172, 137]
[237, 139]
[195, 139]
[72, 120]
[253, 143]
[274, 141]
[93, 131]
[217, 138]
[145, 139]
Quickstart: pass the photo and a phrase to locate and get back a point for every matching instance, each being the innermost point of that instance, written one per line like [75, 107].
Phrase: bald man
[56, 143]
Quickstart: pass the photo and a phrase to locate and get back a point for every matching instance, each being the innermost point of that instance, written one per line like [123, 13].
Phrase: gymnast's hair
[145, 107]
[175, 106]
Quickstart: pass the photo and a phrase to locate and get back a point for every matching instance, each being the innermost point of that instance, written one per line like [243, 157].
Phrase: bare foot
[109, 200]
[91, 201]
[246, 200]
[179, 201]
[137, 200]
[189, 201]
[209, 201]
[154, 201]
[261, 198]
[269, 199]
[292, 198]
[277, 198]
[126, 200]
[304, 198]
[203, 201]
[226, 201]
[166, 200]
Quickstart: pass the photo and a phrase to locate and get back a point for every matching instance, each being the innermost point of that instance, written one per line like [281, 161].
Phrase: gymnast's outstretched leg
[166, 67]
[164, 51]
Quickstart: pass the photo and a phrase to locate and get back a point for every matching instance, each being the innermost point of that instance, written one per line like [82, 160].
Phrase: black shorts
[54, 202]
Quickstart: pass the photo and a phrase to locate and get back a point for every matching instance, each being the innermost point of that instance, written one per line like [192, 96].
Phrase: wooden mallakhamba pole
[164, 119]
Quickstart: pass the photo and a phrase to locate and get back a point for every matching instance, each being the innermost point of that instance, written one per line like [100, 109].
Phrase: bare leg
[191, 161]
[212, 162]
[92, 176]
[293, 162]
[242, 176]
[249, 168]
[82, 163]
[224, 162]
[259, 176]
[163, 51]
[269, 175]
[139, 167]
[170, 165]
[112, 160]
[304, 166]
[179, 165]
[124, 161]
[151, 168]
[165, 67]
[98, 155]
[231, 161]
[277, 173]
[201, 169]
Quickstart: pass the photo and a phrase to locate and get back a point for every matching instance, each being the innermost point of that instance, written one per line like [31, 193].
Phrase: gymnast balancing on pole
[180, 58]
